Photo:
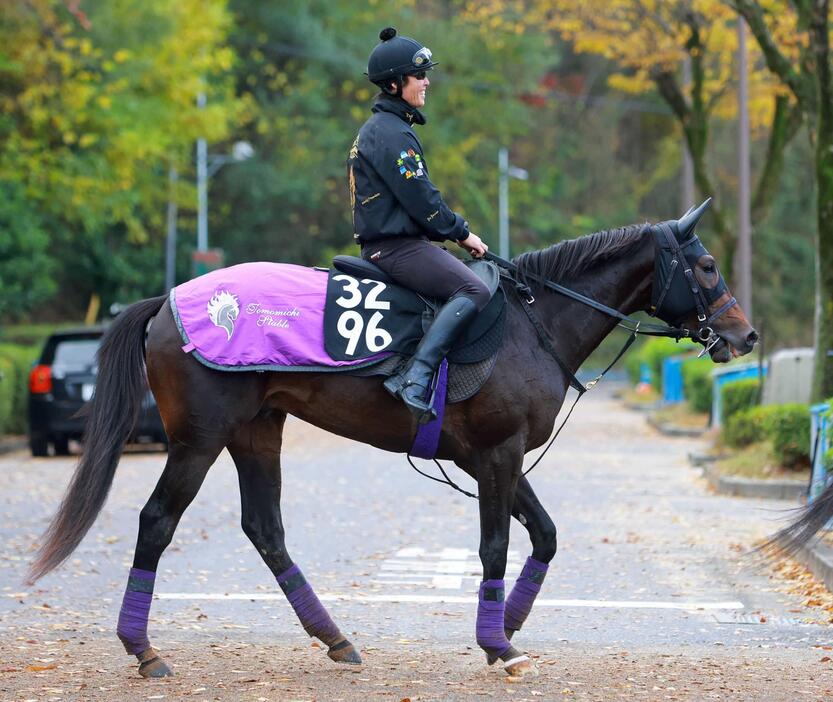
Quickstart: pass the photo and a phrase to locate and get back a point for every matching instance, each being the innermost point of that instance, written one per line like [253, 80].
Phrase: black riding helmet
[395, 57]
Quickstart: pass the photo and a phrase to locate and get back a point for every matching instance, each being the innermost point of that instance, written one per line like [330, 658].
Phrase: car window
[74, 356]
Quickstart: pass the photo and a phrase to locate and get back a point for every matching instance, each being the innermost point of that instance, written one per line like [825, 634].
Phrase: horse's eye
[709, 268]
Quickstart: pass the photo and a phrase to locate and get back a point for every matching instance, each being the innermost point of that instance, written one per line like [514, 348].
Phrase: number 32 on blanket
[351, 323]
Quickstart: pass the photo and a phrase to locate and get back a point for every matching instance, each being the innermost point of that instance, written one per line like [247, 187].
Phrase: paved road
[652, 595]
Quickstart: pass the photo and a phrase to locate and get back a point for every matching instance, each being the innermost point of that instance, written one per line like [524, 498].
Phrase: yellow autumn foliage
[643, 37]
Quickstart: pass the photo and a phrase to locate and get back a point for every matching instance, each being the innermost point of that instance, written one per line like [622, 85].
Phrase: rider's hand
[473, 244]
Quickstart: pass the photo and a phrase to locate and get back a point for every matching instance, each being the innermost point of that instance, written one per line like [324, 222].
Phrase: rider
[398, 212]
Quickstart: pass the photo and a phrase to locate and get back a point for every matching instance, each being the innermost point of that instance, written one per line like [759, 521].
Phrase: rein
[511, 272]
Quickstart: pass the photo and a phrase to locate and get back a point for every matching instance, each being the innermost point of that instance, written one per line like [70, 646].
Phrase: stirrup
[424, 410]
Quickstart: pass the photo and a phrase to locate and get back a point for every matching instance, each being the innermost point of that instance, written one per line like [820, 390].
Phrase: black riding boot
[412, 384]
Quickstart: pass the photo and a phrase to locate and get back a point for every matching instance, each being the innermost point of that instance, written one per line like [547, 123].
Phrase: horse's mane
[566, 260]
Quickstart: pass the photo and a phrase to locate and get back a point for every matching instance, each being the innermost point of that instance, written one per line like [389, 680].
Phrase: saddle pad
[257, 316]
[464, 379]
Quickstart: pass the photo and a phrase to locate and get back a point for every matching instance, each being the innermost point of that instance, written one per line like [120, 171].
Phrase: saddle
[367, 312]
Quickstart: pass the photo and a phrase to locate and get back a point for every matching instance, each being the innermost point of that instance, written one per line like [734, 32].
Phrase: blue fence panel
[819, 432]
[672, 379]
[721, 376]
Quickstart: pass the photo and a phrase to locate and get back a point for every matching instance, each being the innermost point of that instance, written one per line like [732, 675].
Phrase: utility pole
[170, 248]
[687, 185]
[202, 187]
[743, 264]
[505, 172]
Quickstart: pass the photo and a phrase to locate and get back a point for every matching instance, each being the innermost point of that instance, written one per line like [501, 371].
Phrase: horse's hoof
[344, 652]
[520, 667]
[152, 666]
[492, 658]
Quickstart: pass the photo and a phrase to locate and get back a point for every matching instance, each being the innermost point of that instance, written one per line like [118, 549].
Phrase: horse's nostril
[751, 338]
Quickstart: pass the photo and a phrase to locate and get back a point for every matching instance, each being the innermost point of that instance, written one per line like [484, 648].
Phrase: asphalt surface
[653, 594]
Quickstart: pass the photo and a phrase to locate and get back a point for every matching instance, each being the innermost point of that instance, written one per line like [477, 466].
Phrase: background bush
[747, 426]
[739, 395]
[8, 380]
[697, 384]
[15, 364]
[789, 428]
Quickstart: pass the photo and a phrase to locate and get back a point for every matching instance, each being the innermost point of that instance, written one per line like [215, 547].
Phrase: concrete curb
[642, 406]
[13, 443]
[674, 430]
[818, 558]
[748, 487]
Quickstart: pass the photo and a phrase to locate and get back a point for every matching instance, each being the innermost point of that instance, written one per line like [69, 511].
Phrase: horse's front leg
[497, 476]
[529, 512]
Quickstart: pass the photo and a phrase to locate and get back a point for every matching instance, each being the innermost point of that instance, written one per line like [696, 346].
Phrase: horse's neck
[623, 284]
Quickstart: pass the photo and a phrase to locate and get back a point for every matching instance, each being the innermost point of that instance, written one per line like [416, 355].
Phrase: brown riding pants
[417, 264]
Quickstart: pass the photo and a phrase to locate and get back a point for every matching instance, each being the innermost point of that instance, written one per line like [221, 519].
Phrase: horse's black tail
[120, 388]
[811, 520]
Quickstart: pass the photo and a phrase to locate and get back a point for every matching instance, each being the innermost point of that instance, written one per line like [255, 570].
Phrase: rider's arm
[402, 167]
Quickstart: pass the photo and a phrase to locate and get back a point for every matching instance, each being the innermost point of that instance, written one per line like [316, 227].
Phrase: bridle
[669, 261]
[680, 294]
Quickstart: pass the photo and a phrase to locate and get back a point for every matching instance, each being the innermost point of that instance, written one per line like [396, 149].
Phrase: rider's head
[398, 66]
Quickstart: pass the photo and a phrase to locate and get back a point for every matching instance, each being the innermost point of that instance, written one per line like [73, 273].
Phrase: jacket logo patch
[410, 170]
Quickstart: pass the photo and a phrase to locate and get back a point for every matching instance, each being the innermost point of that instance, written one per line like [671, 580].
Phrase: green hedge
[697, 383]
[747, 426]
[789, 429]
[8, 385]
[787, 426]
[739, 395]
[14, 387]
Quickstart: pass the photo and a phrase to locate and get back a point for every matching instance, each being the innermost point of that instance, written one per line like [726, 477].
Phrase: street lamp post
[505, 173]
[207, 166]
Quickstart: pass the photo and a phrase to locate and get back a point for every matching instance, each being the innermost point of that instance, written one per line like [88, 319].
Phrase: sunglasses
[419, 75]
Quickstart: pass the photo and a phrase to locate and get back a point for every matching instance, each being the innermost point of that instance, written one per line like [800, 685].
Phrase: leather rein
[704, 333]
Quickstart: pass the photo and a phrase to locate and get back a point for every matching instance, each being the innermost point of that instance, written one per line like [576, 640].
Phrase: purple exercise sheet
[257, 316]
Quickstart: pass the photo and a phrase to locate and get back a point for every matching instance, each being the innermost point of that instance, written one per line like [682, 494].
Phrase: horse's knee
[493, 558]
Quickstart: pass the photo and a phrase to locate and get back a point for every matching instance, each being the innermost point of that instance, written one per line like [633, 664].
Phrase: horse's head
[690, 292]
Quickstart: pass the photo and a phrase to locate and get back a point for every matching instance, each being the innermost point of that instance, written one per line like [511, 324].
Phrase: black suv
[61, 382]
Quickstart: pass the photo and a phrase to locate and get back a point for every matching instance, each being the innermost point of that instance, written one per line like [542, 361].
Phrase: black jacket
[390, 192]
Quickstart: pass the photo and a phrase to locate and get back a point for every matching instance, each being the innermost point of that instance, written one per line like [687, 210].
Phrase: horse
[205, 411]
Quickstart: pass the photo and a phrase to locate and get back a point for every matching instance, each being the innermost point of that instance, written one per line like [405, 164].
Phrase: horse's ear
[687, 223]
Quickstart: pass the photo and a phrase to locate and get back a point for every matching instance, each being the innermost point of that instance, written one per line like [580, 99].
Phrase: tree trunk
[823, 371]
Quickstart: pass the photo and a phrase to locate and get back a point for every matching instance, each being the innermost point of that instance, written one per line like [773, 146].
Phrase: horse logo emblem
[223, 310]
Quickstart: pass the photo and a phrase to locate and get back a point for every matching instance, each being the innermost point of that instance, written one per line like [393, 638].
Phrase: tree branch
[785, 125]
[798, 84]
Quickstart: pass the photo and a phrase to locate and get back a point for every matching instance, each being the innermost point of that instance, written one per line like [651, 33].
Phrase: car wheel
[61, 444]
[39, 446]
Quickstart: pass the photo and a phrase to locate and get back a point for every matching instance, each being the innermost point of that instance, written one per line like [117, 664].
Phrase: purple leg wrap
[526, 589]
[307, 606]
[135, 608]
[490, 635]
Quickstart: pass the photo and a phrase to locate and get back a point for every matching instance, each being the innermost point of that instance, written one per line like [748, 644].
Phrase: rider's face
[413, 90]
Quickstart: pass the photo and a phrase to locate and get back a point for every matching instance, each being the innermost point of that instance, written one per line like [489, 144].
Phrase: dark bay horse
[487, 436]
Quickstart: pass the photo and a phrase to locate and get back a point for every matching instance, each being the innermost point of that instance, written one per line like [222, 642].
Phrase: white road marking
[454, 599]
[446, 569]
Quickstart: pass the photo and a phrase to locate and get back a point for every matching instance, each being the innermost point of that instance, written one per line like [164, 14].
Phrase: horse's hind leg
[256, 451]
[184, 473]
